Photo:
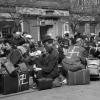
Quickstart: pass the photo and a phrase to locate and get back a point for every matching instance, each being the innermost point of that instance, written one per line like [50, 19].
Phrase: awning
[5, 24]
[5, 15]
[8, 15]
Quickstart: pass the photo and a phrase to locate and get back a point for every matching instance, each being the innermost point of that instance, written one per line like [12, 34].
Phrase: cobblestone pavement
[79, 92]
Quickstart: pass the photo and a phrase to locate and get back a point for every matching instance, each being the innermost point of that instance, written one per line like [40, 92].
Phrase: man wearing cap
[66, 41]
[48, 62]
[75, 57]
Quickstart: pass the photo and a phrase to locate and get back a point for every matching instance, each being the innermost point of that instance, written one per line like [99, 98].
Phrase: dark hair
[67, 34]
[99, 34]
[25, 33]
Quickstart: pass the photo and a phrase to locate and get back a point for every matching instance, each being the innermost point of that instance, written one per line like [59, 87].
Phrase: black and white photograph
[49, 49]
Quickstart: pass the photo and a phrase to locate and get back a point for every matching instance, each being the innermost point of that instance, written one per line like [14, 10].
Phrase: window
[95, 2]
[98, 2]
[6, 31]
[80, 2]
[66, 27]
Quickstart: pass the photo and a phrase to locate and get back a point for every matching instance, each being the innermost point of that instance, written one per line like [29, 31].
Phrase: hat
[47, 39]
[66, 34]
[18, 33]
[28, 36]
[78, 39]
[22, 49]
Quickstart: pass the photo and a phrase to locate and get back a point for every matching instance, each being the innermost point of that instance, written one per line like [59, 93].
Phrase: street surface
[79, 92]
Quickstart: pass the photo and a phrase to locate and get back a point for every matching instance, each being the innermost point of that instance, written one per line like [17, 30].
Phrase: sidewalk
[19, 93]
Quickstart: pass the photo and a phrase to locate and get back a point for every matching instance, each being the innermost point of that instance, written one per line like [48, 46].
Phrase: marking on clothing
[72, 52]
[22, 78]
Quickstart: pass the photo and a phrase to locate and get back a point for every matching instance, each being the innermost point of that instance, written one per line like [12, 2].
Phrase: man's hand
[36, 69]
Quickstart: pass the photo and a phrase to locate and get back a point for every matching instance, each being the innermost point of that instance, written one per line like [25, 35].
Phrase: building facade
[36, 17]
[39, 22]
[86, 12]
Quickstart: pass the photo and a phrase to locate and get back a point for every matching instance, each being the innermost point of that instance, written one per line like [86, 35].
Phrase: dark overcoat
[49, 64]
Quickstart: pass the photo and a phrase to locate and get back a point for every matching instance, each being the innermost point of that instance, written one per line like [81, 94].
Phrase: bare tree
[14, 16]
[74, 22]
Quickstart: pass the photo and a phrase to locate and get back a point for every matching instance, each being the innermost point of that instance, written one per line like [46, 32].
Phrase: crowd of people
[49, 58]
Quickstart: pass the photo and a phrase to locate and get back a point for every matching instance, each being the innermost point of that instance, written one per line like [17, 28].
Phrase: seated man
[48, 62]
[75, 57]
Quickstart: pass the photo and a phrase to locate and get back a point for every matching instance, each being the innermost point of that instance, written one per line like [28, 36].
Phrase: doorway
[44, 30]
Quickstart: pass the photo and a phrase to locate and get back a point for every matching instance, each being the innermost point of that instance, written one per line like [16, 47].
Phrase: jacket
[75, 57]
[48, 63]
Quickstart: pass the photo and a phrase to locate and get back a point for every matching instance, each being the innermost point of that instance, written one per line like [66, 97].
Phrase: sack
[72, 67]
[23, 67]
[2, 61]
[14, 56]
[78, 78]
[9, 67]
[44, 83]
[57, 82]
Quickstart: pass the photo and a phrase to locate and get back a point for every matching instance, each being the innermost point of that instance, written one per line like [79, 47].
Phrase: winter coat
[75, 58]
[48, 63]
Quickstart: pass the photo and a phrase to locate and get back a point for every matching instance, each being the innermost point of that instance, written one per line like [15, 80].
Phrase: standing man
[66, 41]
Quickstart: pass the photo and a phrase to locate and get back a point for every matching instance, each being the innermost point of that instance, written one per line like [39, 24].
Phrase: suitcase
[80, 77]
[10, 84]
[94, 69]
[94, 66]
[44, 83]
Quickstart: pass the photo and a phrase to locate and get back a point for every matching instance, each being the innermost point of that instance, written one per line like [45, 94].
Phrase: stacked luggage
[10, 83]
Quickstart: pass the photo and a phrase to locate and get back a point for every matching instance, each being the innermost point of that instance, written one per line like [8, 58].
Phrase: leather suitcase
[10, 84]
[80, 77]
[44, 83]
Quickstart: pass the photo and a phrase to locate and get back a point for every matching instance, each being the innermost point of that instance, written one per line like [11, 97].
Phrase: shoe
[64, 82]
[33, 86]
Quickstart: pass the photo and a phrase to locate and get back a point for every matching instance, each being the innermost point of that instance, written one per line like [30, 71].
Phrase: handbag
[44, 83]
